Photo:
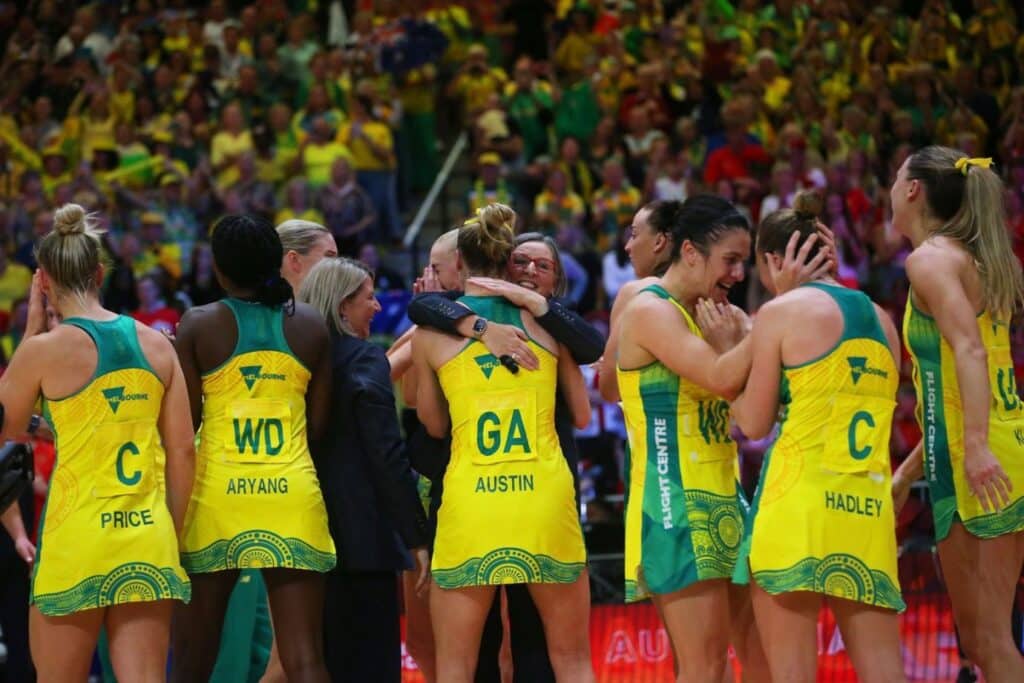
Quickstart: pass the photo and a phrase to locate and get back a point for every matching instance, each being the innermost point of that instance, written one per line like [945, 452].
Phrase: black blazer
[364, 471]
[440, 311]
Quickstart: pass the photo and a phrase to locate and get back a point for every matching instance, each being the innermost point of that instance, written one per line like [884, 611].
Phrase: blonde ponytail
[968, 199]
[981, 226]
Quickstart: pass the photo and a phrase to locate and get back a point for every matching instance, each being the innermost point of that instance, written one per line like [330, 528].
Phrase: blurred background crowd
[163, 115]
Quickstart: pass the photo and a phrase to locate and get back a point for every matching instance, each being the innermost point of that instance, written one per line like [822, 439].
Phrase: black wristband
[33, 424]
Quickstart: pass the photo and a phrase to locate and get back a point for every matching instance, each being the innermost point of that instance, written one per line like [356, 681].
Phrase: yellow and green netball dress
[106, 536]
[257, 500]
[508, 508]
[822, 517]
[684, 511]
[941, 418]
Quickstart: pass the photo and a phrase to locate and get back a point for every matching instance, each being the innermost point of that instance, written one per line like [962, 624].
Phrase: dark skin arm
[185, 344]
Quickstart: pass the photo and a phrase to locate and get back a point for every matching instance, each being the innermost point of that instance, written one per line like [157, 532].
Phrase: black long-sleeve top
[363, 465]
[441, 312]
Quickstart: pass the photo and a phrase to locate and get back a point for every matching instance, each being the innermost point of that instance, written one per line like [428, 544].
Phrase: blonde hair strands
[299, 236]
[329, 283]
[969, 202]
[72, 252]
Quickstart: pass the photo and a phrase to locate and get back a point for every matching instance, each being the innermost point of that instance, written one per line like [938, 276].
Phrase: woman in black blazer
[373, 509]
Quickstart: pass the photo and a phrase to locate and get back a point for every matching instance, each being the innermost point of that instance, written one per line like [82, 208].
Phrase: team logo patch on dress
[251, 373]
[487, 363]
[115, 396]
[859, 366]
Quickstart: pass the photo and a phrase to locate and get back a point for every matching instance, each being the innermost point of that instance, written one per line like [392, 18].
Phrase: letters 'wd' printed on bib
[257, 501]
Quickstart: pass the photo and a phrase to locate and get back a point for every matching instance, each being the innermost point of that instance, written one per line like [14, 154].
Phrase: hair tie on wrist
[964, 163]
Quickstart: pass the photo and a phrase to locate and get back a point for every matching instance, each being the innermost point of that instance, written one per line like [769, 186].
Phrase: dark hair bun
[275, 291]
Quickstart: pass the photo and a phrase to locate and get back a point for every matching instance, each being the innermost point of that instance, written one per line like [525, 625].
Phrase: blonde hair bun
[499, 217]
[70, 219]
[487, 239]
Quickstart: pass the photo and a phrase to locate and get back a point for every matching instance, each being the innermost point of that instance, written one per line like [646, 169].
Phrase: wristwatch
[479, 327]
[33, 424]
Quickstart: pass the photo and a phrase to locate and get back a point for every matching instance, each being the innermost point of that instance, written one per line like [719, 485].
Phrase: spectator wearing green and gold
[476, 81]
[318, 151]
[530, 106]
[557, 206]
[155, 249]
[614, 203]
[372, 149]
[489, 187]
[229, 144]
[15, 281]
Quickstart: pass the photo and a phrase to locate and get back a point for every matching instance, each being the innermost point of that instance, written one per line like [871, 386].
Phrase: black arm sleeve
[438, 311]
[441, 312]
[582, 339]
[381, 440]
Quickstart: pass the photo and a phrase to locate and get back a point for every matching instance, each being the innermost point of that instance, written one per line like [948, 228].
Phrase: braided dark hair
[248, 252]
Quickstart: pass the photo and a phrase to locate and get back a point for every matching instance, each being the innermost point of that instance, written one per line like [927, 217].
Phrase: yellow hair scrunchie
[477, 218]
[963, 163]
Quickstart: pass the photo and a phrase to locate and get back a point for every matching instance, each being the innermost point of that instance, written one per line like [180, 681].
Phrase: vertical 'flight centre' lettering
[929, 417]
[664, 485]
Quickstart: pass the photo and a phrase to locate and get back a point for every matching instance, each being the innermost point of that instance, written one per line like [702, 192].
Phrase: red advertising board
[629, 645]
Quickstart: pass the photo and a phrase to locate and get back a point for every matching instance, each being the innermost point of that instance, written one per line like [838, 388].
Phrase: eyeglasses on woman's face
[521, 262]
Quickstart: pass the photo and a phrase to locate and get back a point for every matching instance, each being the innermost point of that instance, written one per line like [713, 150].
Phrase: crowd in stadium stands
[165, 115]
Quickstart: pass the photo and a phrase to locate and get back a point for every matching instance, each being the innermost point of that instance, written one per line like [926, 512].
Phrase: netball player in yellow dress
[257, 368]
[822, 522]
[966, 284]
[508, 511]
[684, 514]
[650, 249]
[114, 396]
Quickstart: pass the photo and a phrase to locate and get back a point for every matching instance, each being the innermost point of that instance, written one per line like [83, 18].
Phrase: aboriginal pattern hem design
[838, 575]
[257, 549]
[127, 583]
[995, 524]
[716, 528]
[507, 566]
[706, 546]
